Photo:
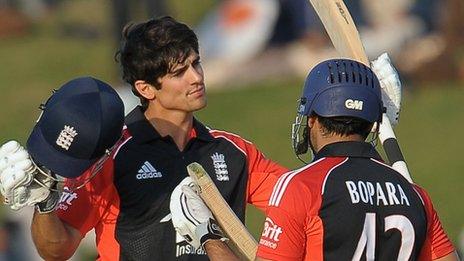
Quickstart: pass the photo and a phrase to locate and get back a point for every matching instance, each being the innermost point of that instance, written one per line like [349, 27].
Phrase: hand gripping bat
[345, 38]
[240, 241]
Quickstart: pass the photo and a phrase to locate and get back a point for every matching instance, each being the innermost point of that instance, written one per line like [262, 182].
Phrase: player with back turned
[355, 207]
[346, 204]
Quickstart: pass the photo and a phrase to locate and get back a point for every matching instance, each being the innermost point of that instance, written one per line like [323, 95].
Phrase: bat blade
[341, 29]
[345, 37]
[240, 240]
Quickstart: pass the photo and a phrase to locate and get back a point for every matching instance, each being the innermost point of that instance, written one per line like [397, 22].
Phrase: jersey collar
[142, 131]
[348, 149]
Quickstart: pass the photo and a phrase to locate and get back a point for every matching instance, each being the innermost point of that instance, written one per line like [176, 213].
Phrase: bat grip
[392, 148]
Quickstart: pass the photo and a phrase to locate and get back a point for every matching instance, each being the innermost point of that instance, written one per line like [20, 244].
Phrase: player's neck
[320, 137]
[322, 141]
[176, 124]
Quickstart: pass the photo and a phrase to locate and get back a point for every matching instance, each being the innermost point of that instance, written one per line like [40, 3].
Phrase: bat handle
[392, 148]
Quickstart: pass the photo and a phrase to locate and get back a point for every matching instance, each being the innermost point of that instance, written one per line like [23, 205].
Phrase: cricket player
[127, 202]
[346, 204]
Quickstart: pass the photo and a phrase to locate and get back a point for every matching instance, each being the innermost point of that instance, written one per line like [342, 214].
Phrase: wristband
[210, 230]
[49, 204]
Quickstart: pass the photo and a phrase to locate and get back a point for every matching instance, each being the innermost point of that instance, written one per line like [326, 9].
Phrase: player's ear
[311, 121]
[145, 89]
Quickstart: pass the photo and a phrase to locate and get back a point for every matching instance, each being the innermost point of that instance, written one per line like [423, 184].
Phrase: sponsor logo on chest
[220, 167]
[147, 171]
[184, 248]
[66, 198]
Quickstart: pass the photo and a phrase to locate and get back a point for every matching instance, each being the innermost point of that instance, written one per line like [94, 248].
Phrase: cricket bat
[240, 241]
[345, 37]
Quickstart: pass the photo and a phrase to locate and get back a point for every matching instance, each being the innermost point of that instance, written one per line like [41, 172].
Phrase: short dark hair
[345, 125]
[151, 49]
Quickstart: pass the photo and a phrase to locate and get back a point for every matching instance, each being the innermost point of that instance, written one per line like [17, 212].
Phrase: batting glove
[390, 84]
[191, 217]
[22, 183]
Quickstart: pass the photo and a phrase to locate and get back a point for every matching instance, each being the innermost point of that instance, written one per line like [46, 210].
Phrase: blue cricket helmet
[79, 123]
[342, 88]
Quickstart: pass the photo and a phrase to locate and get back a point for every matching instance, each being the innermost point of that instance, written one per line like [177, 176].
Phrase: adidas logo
[147, 171]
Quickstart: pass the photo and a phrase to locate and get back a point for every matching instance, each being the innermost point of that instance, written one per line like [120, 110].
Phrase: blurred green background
[34, 63]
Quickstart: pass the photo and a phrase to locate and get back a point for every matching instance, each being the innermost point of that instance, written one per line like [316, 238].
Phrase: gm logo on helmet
[354, 104]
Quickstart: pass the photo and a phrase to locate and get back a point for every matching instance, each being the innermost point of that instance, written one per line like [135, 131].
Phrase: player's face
[183, 89]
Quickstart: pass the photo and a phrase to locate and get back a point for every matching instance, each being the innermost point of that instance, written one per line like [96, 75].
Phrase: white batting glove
[191, 217]
[390, 84]
[22, 183]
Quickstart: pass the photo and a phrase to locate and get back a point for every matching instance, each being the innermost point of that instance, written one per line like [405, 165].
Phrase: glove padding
[390, 84]
[22, 183]
[191, 217]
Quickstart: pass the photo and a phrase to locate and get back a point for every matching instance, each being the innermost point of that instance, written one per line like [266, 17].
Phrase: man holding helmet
[76, 132]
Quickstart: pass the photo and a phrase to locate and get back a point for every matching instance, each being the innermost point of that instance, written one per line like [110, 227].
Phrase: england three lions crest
[220, 167]
[66, 137]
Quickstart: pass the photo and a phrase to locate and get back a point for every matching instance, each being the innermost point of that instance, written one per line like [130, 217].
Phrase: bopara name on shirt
[377, 193]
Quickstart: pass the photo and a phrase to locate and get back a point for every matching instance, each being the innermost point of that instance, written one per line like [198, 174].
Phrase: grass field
[431, 121]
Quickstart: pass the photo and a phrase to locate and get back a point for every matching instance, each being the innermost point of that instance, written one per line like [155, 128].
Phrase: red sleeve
[437, 243]
[262, 172]
[83, 207]
[263, 175]
[284, 232]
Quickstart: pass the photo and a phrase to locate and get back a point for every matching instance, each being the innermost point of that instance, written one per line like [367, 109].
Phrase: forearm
[54, 239]
[218, 250]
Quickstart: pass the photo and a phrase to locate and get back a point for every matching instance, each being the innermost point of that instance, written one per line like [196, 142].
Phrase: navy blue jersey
[128, 202]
